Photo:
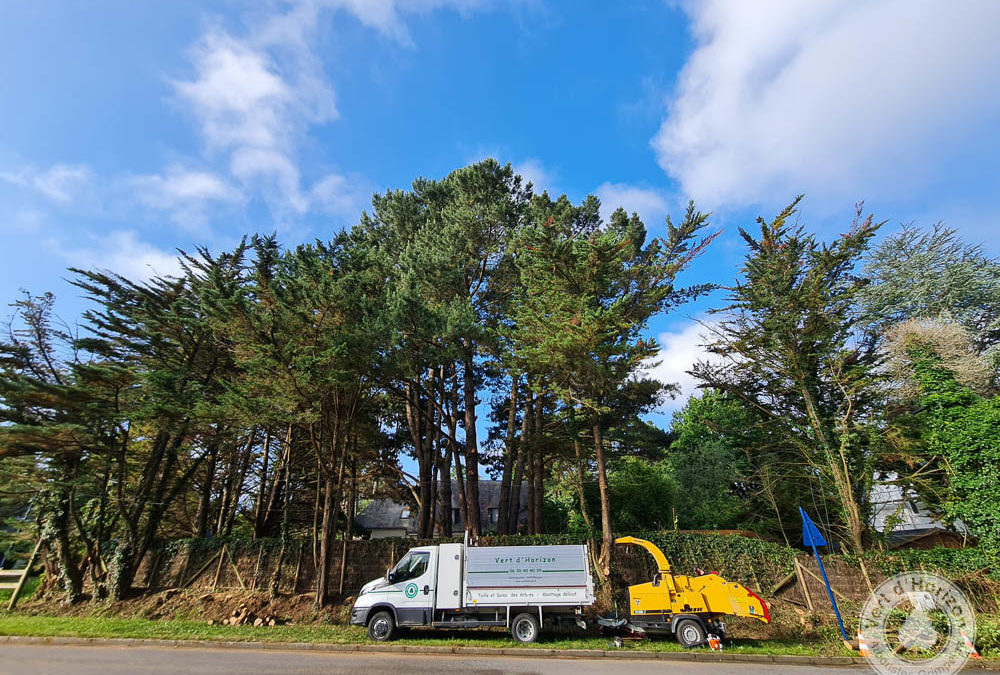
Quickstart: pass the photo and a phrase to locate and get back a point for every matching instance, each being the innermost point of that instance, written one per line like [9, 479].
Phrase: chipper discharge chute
[689, 607]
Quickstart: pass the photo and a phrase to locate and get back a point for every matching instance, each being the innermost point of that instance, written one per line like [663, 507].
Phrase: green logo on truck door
[411, 591]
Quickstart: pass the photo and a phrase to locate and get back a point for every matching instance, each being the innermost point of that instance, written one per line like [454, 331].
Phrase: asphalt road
[100, 660]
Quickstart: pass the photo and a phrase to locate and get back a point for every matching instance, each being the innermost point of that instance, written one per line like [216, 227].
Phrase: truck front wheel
[382, 628]
[690, 633]
[524, 628]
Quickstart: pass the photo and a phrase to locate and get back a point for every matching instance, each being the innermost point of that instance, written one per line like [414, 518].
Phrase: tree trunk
[503, 508]
[349, 525]
[514, 518]
[236, 489]
[424, 465]
[258, 515]
[274, 493]
[433, 441]
[205, 502]
[538, 470]
[607, 539]
[444, 471]
[331, 508]
[463, 503]
[472, 524]
[276, 575]
[55, 530]
[326, 544]
[839, 471]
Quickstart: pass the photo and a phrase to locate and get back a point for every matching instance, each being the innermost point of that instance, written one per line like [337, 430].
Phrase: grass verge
[111, 627]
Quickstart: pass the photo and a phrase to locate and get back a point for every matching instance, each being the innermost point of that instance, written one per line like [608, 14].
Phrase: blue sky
[131, 129]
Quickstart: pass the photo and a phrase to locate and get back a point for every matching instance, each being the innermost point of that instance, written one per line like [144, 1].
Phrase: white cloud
[274, 174]
[386, 15]
[341, 196]
[533, 171]
[835, 99]
[255, 97]
[650, 204]
[121, 252]
[60, 183]
[679, 351]
[185, 194]
[255, 109]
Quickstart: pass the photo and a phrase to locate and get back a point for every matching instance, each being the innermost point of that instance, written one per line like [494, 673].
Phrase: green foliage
[591, 288]
[789, 352]
[917, 273]
[710, 434]
[643, 492]
[962, 428]
[953, 562]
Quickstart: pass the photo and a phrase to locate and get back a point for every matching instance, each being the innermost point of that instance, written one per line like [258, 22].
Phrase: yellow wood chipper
[688, 607]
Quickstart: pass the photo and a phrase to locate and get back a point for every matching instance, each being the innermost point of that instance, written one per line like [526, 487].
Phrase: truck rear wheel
[382, 627]
[690, 633]
[524, 628]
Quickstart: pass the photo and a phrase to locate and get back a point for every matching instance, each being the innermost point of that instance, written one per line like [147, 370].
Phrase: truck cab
[408, 590]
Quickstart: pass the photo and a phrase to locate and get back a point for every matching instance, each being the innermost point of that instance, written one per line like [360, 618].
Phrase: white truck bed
[527, 575]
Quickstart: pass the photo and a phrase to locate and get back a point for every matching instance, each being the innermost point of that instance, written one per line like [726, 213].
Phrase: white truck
[458, 586]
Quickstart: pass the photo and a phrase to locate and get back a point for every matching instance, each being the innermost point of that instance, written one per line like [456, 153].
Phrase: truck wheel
[382, 628]
[690, 633]
[524, 628]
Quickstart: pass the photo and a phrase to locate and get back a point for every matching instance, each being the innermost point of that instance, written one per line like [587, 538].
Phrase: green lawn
[47, 626]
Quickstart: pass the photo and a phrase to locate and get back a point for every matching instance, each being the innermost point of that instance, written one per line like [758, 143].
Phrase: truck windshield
[413, 565]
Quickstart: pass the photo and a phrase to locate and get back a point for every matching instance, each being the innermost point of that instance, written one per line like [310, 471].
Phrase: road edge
[786, 659]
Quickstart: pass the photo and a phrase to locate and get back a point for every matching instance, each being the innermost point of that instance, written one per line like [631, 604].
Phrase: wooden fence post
[218, 568]
[802, 584]
[24, 577]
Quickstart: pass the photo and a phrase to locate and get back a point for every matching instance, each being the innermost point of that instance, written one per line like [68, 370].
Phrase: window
[494, 516]
[912, 504]
[405, 514]
[456, 516]
[413, 565]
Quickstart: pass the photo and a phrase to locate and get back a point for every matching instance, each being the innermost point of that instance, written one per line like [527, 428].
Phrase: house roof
[383, 514]
[387, 514]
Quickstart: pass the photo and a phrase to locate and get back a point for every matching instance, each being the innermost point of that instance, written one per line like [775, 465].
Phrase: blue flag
[811, 535]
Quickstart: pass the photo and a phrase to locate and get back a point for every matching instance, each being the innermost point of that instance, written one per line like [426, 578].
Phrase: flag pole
[811, 537]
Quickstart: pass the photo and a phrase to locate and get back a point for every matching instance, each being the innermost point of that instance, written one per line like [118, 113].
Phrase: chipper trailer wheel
[382, 628]
[524, 628]
[690, 633]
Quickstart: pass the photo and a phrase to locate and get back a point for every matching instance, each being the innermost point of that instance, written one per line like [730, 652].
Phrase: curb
[777, 659]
